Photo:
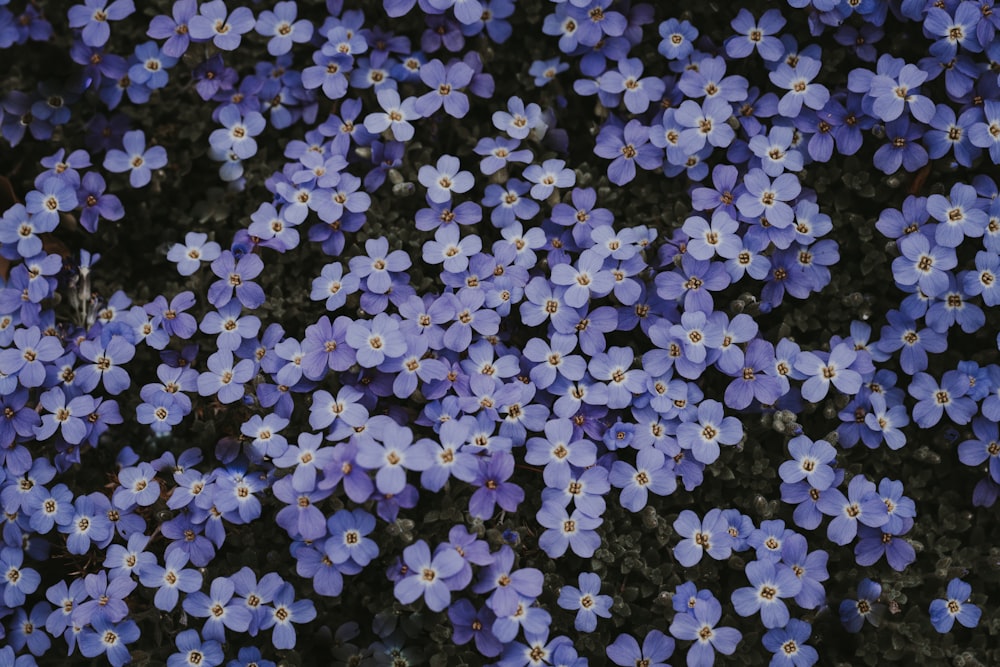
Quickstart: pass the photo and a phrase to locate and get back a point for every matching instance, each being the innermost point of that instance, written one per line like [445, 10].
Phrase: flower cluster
[514, 345]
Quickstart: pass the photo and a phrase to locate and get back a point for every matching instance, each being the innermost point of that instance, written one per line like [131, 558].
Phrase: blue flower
[564, 531]
[854, 613]
[136, 158]
[111, 639]
[700, 536]
[957, 607]
[287, 611]
[656, 649]
[224, 29]
[586, 601]
[678, 39]
[769, 583]
[788, 644]
[699, 625]
[19, 581]
[93, 17]
[282, 28]
[193, 652]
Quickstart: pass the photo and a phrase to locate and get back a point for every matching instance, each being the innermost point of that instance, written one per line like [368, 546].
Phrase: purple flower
[444, 83]
[219, 608]
[93, 17]
[574, 531]
[934, 399]
[694, 280]
[876, 542]
[287, 611]
[395, 115]
[19, 581]
[357, 483]
[705, 124]
[653, 472]
[923, 265]
[699, 625]
[111, 639]
[282, 28]
[957, 607]
[769, 582]
[348, 545]
[376, 340]
[861, 505]
[237, 132]
[656, 649]
[16, 419]
[195, 250]
[902, 148]
[509, 203]
[700, 536]
[766, 198]
[754, 34]
[136, 158]
[449, 249]
[519, 119]
[66, 416]
[958, 215]
[586, 280]
[445, 178]
[106, 367]
[96, 204]
[44, 205]
[626, 146]
[107, 599]
[798, 81]
[586, 601]
[496, 154]
[467, 624]
[28, 360]
[174, 28]
[215, 23]
[548, 176]
[493, 486]
[822, 371]
[810, 568]
[546, 70]
[986, 134]
[137, 485]
[638, 91]
[678, 39]
[754, 380]
[235, 277]
[704, 435]
[22, 230]
[949, 133]
[811, 462]
[788, 644]
[224, 377]
[426, 576]
[510, 586]
[554, 359]
[326, 410]
[854, 613]
[151, 68]
[983, 447]
[393, 456]
[774, 151]
[26, 629]
[960, 30]
[891, 94]
[193, 651]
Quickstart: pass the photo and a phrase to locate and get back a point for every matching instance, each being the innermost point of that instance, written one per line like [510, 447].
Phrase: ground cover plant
[489, 332]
